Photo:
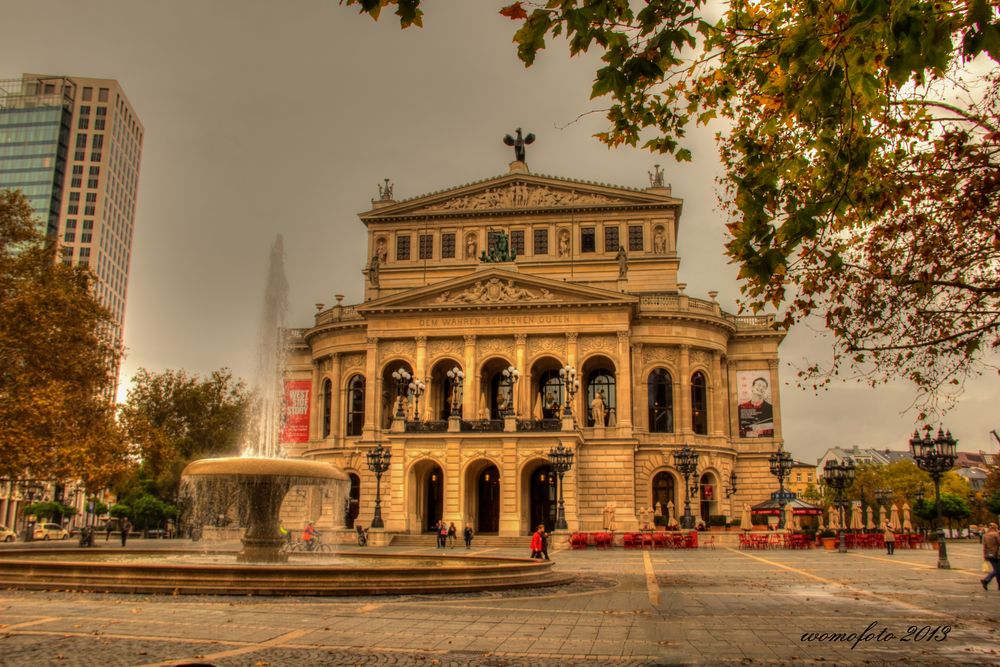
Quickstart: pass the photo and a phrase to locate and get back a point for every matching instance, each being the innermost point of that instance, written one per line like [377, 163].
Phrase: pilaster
[522, 401]
[683, 425]
[624, 384]
[372, 388]
[337, 400]
[420, 373]
[470, 390]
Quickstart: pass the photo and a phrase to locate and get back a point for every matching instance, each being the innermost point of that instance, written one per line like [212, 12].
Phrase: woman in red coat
[536, 543]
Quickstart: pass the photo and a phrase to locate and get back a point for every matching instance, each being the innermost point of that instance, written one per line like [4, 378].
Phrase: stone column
[469, 396]
[336, 400]
[373, 389]
[717, 425]
[522, 401]
[734, 415]
[684, 393]
[623, 412]
[571, 360]
[316, 418]
[772, 365]
[639, 397]
[420, 373]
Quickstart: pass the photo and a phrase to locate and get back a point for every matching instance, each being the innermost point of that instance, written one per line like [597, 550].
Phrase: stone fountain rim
[247, 466]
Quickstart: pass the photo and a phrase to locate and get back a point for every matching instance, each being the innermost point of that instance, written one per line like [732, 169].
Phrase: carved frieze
[438, 347]
[522, 195]
[700, 357]
[588, 344]
[353, 361]
[659, 354]
[398, 348]
[493, 345]
[471, 455]
[495, 290]
[540, 344]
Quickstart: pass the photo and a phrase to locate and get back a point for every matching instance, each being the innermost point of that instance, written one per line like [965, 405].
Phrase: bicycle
[314, 545]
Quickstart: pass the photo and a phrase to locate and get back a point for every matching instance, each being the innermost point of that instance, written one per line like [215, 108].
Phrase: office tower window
[91, 183]
[81, 141]
[98, 142]
[517, 241]
[70, 234]
[84, 259]
[95, 156]
[426, 246]
[102, 111]
[541, 242]
[67, 258]
[79, 156]
[83, 123]
[76, 182]
[610, 239]
[447, 246]
[99, 124]
[402, 247]
[88, 94]
[88, 231]
[587, 241]
[635, 237]
[102, 95]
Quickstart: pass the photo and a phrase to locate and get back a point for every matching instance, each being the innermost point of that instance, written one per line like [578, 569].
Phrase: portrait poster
[755, 407]
[295, 419]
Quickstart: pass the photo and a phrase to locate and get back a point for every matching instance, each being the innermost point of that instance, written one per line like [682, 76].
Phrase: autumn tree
[860, 150]
[173, 417]
[57, 359]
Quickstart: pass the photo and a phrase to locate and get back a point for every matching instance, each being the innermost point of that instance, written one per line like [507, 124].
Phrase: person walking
[991, 552]
[545, 541]
[107, 531]
[442, 533]
[536, 543]
[889, 537]
[467, 534]
[126, 527]
[452, 534]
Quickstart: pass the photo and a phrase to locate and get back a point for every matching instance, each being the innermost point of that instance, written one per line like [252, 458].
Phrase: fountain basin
[349, 573]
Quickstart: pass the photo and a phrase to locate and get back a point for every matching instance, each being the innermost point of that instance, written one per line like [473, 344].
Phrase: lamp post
[918, 497]
[838, 476]
[781, 465]
[686, 461]
[572, 385]
[883, 497]
[731, 489]
[416, 388]
[457, 377]
[30, 491]
[378, 463]
[511, 375]
[402, 378]
[561, 458]
[936, 456]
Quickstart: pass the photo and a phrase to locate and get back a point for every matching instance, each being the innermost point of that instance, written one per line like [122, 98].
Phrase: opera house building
[517, 317]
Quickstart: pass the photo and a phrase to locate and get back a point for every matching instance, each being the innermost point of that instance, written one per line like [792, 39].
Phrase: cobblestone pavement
[709, 606]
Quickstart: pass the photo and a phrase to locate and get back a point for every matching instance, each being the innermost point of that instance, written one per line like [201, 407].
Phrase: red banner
[295, 417]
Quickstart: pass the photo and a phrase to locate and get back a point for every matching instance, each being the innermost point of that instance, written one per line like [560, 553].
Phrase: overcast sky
[269, 117]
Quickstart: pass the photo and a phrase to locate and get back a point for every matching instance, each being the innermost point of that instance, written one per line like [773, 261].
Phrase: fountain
[259, 481]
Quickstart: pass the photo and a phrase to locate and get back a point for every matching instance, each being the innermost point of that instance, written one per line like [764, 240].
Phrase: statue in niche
[470, 246]
[564, 243]
[597, 408]
[377, 260]
[659, 242]
[622, 258]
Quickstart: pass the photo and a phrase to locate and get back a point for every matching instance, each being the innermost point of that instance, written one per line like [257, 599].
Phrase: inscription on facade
[494, 320]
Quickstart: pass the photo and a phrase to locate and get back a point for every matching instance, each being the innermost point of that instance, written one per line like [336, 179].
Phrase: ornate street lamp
[686, 462]
[402, 378]
[511, 375]
[572, 385]
[918, 497]
[378, 462]
[561, 459]
[416, 387]
[30, 490]
[781, 467]
[936, 456]
[731, 489]
[839, 476]
[457, 377]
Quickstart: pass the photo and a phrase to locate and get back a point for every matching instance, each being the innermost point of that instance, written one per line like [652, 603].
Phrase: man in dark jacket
[991, 552]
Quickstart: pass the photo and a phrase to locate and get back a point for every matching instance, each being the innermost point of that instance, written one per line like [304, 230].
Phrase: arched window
[355, 405]
[661, 402]
[550, 394]
[699, 404]
[663, 493]
[601, 381]
[327, 404]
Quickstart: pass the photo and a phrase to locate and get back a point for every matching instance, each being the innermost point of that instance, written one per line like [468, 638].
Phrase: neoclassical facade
[593, 287]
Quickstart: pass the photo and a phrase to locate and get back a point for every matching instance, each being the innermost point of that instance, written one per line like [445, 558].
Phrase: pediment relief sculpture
[522, 195]
[495, 290]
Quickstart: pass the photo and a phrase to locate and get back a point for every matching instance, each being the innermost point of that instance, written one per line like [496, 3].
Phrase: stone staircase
[479, 541]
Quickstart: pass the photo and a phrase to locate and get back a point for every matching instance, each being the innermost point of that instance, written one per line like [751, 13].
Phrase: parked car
[7, 534]
[51, 531]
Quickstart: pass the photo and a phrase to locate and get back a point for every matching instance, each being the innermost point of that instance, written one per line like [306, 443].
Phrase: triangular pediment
[521, 191]
[495, 287]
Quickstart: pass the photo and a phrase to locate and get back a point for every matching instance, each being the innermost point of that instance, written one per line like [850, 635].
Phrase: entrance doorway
[353, 501]
[543, 500]
[434, 497]
[489, 500]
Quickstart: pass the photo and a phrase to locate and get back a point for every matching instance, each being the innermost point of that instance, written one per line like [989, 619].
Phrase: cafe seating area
[646, 539]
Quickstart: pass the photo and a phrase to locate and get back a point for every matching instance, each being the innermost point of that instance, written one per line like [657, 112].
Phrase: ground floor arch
[482, 496]
[539, 488]
[426, 496]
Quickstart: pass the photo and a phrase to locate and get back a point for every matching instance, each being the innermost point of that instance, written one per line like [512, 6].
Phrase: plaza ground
[627, 607]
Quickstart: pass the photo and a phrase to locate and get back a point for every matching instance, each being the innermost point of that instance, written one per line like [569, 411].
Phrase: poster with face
[756, 412]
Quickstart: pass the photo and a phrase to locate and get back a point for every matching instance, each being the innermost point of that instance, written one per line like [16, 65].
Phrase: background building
[538, 274]
[73, 145]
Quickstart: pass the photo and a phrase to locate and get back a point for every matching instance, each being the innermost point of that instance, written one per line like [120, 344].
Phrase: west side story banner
[755, 407]
[295, 416]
